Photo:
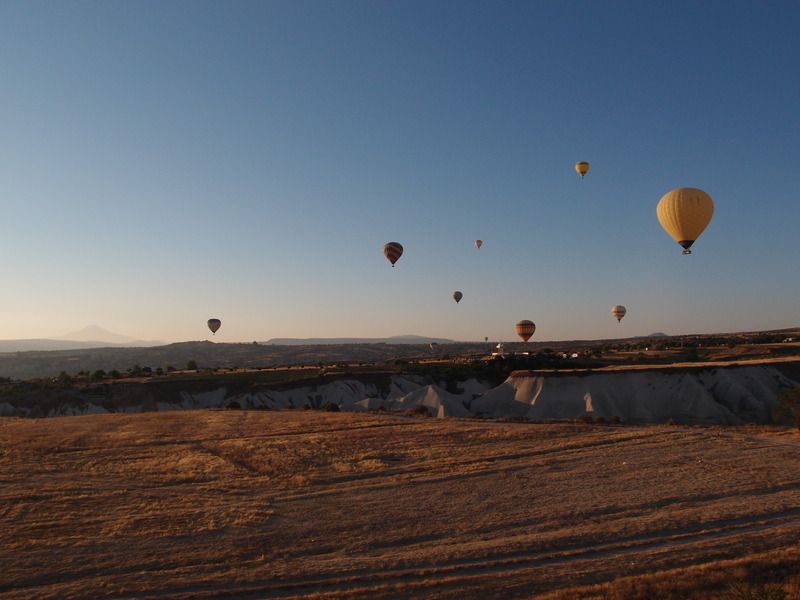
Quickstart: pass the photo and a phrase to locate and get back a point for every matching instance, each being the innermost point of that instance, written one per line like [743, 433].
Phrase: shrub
[421, 410]
[191, 365]
[692, 355]
[788, 407]
[744, 591]
[330, 407]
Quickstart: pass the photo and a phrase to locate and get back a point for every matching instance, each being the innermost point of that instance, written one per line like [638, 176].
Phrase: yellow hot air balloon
[582, 168]
[214, 325]
[525, 329]
[684, 213]
[392, 251]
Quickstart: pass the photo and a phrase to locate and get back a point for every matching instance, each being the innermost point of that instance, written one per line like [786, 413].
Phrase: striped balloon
[618, 312]
[525, 329]
[393, 251]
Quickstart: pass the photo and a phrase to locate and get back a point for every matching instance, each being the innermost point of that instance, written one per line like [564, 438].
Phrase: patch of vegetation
[494, 371]
[418, 411]
[692, 354]
[788, 407]
[746, 591]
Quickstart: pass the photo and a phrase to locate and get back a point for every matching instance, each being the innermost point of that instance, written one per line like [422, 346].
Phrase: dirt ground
[290, 504]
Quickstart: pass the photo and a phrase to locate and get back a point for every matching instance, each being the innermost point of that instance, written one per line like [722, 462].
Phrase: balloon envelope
[618, 312]
[393, 251]
[582, 168]
[478, 244]
[214, 325]
[457, 296]
[525, 329]
[684, 213]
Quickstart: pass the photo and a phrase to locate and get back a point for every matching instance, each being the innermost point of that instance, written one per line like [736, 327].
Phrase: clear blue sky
[164, 162]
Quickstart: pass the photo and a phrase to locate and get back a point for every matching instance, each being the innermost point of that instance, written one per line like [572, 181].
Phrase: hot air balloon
[582, 168]
[478, 244]
[618, 312]
[457, 296]
[214, 325]
[486, 338]
[393, 251]
[684, 213]
[525, 329]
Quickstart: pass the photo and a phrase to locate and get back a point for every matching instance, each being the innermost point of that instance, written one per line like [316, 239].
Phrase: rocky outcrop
[722, 395]
[732, 395]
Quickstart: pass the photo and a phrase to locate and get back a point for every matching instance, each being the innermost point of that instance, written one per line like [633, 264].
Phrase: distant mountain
[397, 339]
[95, 333]
[42, 344]
[91, 336]
[658, 335]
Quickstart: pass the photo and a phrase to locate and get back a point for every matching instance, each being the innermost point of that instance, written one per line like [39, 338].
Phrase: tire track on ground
[442, 574]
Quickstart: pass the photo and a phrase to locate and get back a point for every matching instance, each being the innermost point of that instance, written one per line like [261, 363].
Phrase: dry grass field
[210, 504]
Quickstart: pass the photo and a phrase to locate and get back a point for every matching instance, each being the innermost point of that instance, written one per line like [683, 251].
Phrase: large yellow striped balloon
[684, 213]
[525, 329]
[392, 251]
[582, 168]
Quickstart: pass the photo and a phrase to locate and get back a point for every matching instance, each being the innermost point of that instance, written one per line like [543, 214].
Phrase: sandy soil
[306, 504]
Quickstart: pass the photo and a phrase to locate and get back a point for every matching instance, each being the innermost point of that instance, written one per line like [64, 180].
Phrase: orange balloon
[525, 329]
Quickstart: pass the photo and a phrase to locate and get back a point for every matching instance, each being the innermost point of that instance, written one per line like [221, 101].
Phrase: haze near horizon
[164, 164]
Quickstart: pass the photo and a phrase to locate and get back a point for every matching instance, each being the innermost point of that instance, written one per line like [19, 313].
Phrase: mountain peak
[95, 333]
